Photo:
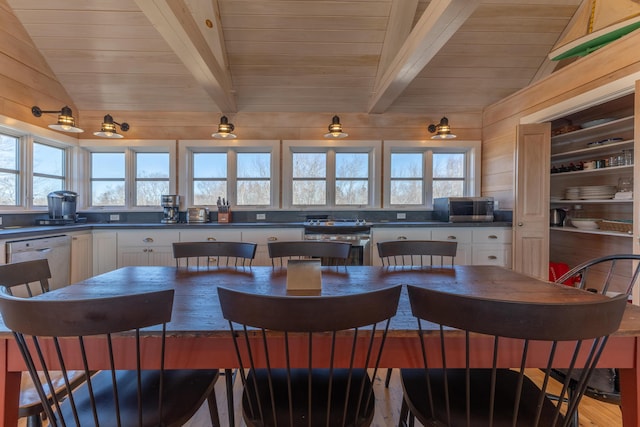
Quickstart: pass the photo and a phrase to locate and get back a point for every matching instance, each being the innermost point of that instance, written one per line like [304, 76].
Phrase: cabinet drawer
[491, 235]
[460, 235]
[148, 238]
[489, 256]
[262, 237]
[404, 233]
[209, 235]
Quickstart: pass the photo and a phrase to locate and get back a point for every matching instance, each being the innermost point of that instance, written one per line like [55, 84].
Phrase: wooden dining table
[199, 337]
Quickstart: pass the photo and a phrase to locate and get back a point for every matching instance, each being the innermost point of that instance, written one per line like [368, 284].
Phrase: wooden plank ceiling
[354, 56]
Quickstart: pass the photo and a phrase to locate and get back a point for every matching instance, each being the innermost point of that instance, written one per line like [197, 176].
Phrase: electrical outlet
[261, 216]
[114, 217]
[0, 220]
[401, 215]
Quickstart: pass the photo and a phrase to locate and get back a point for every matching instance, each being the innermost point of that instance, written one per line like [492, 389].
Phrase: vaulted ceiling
[354, 56]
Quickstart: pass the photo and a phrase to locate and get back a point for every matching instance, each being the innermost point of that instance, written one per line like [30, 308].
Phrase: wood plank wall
[616, 61]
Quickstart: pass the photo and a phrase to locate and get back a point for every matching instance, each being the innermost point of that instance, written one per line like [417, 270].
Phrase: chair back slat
[234, 254]
[615, 273]
[54, 334]
[26, 278]
[454, 392]
[330, 252]
[330, 348]
[417, 252]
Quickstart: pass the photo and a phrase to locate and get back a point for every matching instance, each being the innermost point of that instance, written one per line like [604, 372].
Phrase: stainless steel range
[355, 231]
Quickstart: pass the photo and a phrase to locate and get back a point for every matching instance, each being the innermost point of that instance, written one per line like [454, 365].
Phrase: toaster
[198, 215]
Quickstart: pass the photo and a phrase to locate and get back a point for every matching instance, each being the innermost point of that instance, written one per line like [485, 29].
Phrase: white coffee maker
[170, 206]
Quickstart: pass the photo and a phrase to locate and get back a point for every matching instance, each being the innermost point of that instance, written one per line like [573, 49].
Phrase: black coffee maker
[62, 205]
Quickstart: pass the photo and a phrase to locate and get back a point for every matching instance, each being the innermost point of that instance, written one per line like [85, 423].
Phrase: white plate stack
[595, 192]
[572, 193]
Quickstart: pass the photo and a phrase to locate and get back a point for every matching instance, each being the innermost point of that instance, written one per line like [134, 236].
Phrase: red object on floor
[557, 269]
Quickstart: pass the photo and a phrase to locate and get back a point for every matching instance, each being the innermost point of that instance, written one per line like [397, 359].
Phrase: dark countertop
[21, 232]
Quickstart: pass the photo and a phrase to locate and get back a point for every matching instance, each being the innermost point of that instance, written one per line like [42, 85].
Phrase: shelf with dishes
[592, 132]
[570, 229]
[554, 200]
[602, 148]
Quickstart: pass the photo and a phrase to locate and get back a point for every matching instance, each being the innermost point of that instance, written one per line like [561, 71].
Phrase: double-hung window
[49, 171]
[329, 174]
[417, 172]
[9, 170]
[244, 173]
[134, 176]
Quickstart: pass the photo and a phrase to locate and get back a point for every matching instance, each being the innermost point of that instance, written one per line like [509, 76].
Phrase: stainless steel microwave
[463, 209]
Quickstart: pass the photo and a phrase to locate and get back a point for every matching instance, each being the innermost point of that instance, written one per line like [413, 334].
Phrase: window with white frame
[245, 173]
[417, 172]
[9, 170]
[131, 177]
[49, 171]
[329, 174]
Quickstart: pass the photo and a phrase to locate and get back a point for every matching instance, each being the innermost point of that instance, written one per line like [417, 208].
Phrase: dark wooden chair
[53, 331]
[28, 279]
[313, 390]
[417, 252]
[612, 273]
[235, 254]
[329, 252]
[461, 396]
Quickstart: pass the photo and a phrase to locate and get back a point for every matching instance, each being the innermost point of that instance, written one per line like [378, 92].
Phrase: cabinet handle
[520, 224]
[150, 250]
[493, 236]
[451, 237]
[148, 240]
[211, 239]
[272, 239]
[402, 238]
[492, 257]
[145, 250]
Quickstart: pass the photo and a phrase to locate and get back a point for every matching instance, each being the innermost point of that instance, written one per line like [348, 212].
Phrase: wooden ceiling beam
[436, 26]
[175, 23]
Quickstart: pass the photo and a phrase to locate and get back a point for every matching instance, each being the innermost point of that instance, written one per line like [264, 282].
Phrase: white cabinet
[146, 247]
[491, 246]
[462, 235]
[395, 233]
[105, 251]
[262, 236]
[476, 245]
[81, 256]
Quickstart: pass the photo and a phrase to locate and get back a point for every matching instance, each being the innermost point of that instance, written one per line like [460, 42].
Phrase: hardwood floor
[388, 401]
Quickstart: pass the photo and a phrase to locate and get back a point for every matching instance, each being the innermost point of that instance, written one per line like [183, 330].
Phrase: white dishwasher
[56, 249]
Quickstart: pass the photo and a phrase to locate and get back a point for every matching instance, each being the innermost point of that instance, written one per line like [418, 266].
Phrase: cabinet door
[462, 236]
[133, 255]
[491, 246]
[262, 236]
[209, 235]
[531, 215]
[395, 233]
[146, 247]
[81, 257]
[105, 251]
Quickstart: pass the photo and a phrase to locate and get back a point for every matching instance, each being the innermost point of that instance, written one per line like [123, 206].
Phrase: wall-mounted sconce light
[225, 129]
[442, 130]
[109, 130]
[335, 129]
[66, 122]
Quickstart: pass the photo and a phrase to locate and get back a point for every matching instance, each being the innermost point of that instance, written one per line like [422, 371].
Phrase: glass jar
[625, 184]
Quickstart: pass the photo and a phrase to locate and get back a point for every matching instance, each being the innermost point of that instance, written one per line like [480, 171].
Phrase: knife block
[224, 217]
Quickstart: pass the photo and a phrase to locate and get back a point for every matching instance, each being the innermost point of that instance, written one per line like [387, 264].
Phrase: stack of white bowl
[572, 193]
[593, 192]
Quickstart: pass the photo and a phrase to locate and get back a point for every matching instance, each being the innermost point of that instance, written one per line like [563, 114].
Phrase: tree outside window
[9, 170]
[209, 178]
[309, 179]
[108, 179]
[48, 172]
[152, 178]
[253, 179]
[407, 179]
[448, 174]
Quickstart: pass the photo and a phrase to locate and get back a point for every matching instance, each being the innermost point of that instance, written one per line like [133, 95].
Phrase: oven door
[360, 253]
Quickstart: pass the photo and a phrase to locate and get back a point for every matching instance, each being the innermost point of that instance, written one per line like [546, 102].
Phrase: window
[108, 179]
[9, 170]
[209, 178]
[48, 171]
[328, 174]
[418, 172]
[244, 173]
[135, 176]
[152, 178]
